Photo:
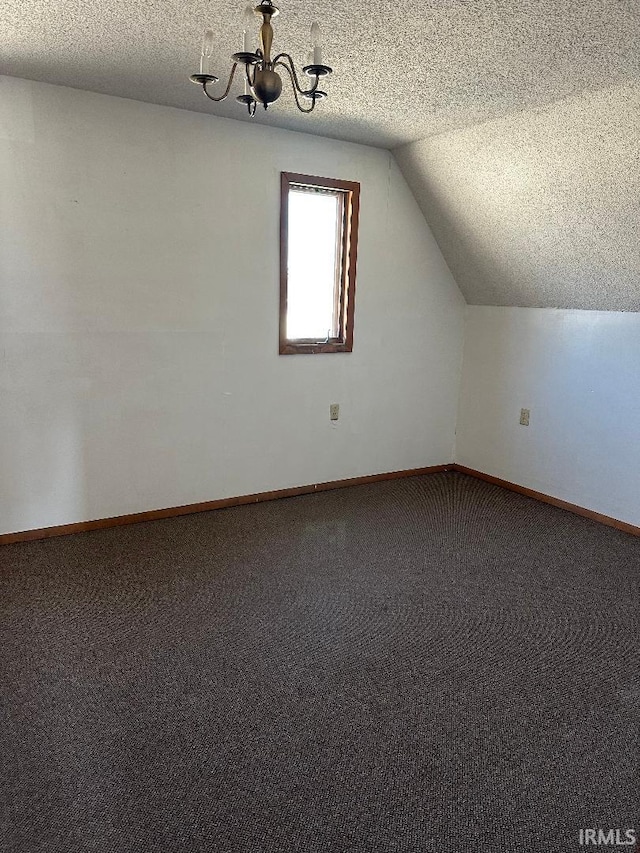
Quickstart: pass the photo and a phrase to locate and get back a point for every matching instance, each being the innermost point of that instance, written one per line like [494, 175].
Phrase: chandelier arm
[227, 90]
[294, 77]
[295, 93]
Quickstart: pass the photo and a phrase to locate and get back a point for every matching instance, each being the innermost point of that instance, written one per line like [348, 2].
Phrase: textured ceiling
[525, 115]
[539, 208]
[404, 70]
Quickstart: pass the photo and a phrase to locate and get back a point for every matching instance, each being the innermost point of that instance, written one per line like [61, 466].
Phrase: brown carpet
[431, 664]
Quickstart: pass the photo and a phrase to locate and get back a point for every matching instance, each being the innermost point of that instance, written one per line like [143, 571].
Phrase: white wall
[139, 320]
[579, 373]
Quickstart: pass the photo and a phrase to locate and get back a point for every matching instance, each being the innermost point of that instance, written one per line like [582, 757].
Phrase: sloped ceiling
[540, 208]
[524, 114]
[403, 70]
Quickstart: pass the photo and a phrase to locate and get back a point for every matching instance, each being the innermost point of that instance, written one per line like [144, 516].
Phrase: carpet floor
[430, 664]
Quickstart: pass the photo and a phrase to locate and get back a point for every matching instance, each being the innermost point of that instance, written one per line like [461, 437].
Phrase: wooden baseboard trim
[208, 506]
[548, 499]
[224, 503]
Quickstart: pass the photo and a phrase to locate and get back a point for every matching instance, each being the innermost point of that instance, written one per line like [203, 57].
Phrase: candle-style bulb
[206, 52]
[248, 24]
[316, 43]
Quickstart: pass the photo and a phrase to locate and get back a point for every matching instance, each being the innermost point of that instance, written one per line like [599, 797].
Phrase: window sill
[319, 348]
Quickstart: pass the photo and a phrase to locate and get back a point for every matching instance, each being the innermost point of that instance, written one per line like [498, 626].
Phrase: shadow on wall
[42, 382]
[487, 404]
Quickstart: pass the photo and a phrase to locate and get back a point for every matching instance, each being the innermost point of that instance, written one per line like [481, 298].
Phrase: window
[318, 254]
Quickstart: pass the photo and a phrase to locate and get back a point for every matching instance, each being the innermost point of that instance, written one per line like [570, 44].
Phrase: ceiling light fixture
[263, 84]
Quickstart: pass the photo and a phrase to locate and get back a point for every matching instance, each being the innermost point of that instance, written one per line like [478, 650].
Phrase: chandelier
[262, 83]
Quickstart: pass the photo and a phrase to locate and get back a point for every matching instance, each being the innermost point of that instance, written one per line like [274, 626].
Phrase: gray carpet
[432, 664]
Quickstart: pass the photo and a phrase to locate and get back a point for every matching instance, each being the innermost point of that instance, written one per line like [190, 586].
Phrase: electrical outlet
[334, 411]
[525, 414]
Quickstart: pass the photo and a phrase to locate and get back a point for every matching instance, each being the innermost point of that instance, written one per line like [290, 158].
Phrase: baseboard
[208, 506]
[224, 503]
[548, 499]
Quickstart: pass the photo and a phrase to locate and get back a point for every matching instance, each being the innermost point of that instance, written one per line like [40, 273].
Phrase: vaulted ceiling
[539, 208]
[517, 124]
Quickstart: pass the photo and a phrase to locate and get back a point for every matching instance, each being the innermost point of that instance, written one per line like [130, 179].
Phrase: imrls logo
[607, 837]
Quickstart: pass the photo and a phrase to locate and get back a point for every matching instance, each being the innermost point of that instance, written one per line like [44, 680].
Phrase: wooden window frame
[348, 264]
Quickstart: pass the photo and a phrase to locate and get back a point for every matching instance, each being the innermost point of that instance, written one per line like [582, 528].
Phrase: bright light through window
[312, 267]
[318, 256]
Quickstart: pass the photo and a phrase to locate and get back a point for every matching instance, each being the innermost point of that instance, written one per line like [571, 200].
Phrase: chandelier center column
[266, 38]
